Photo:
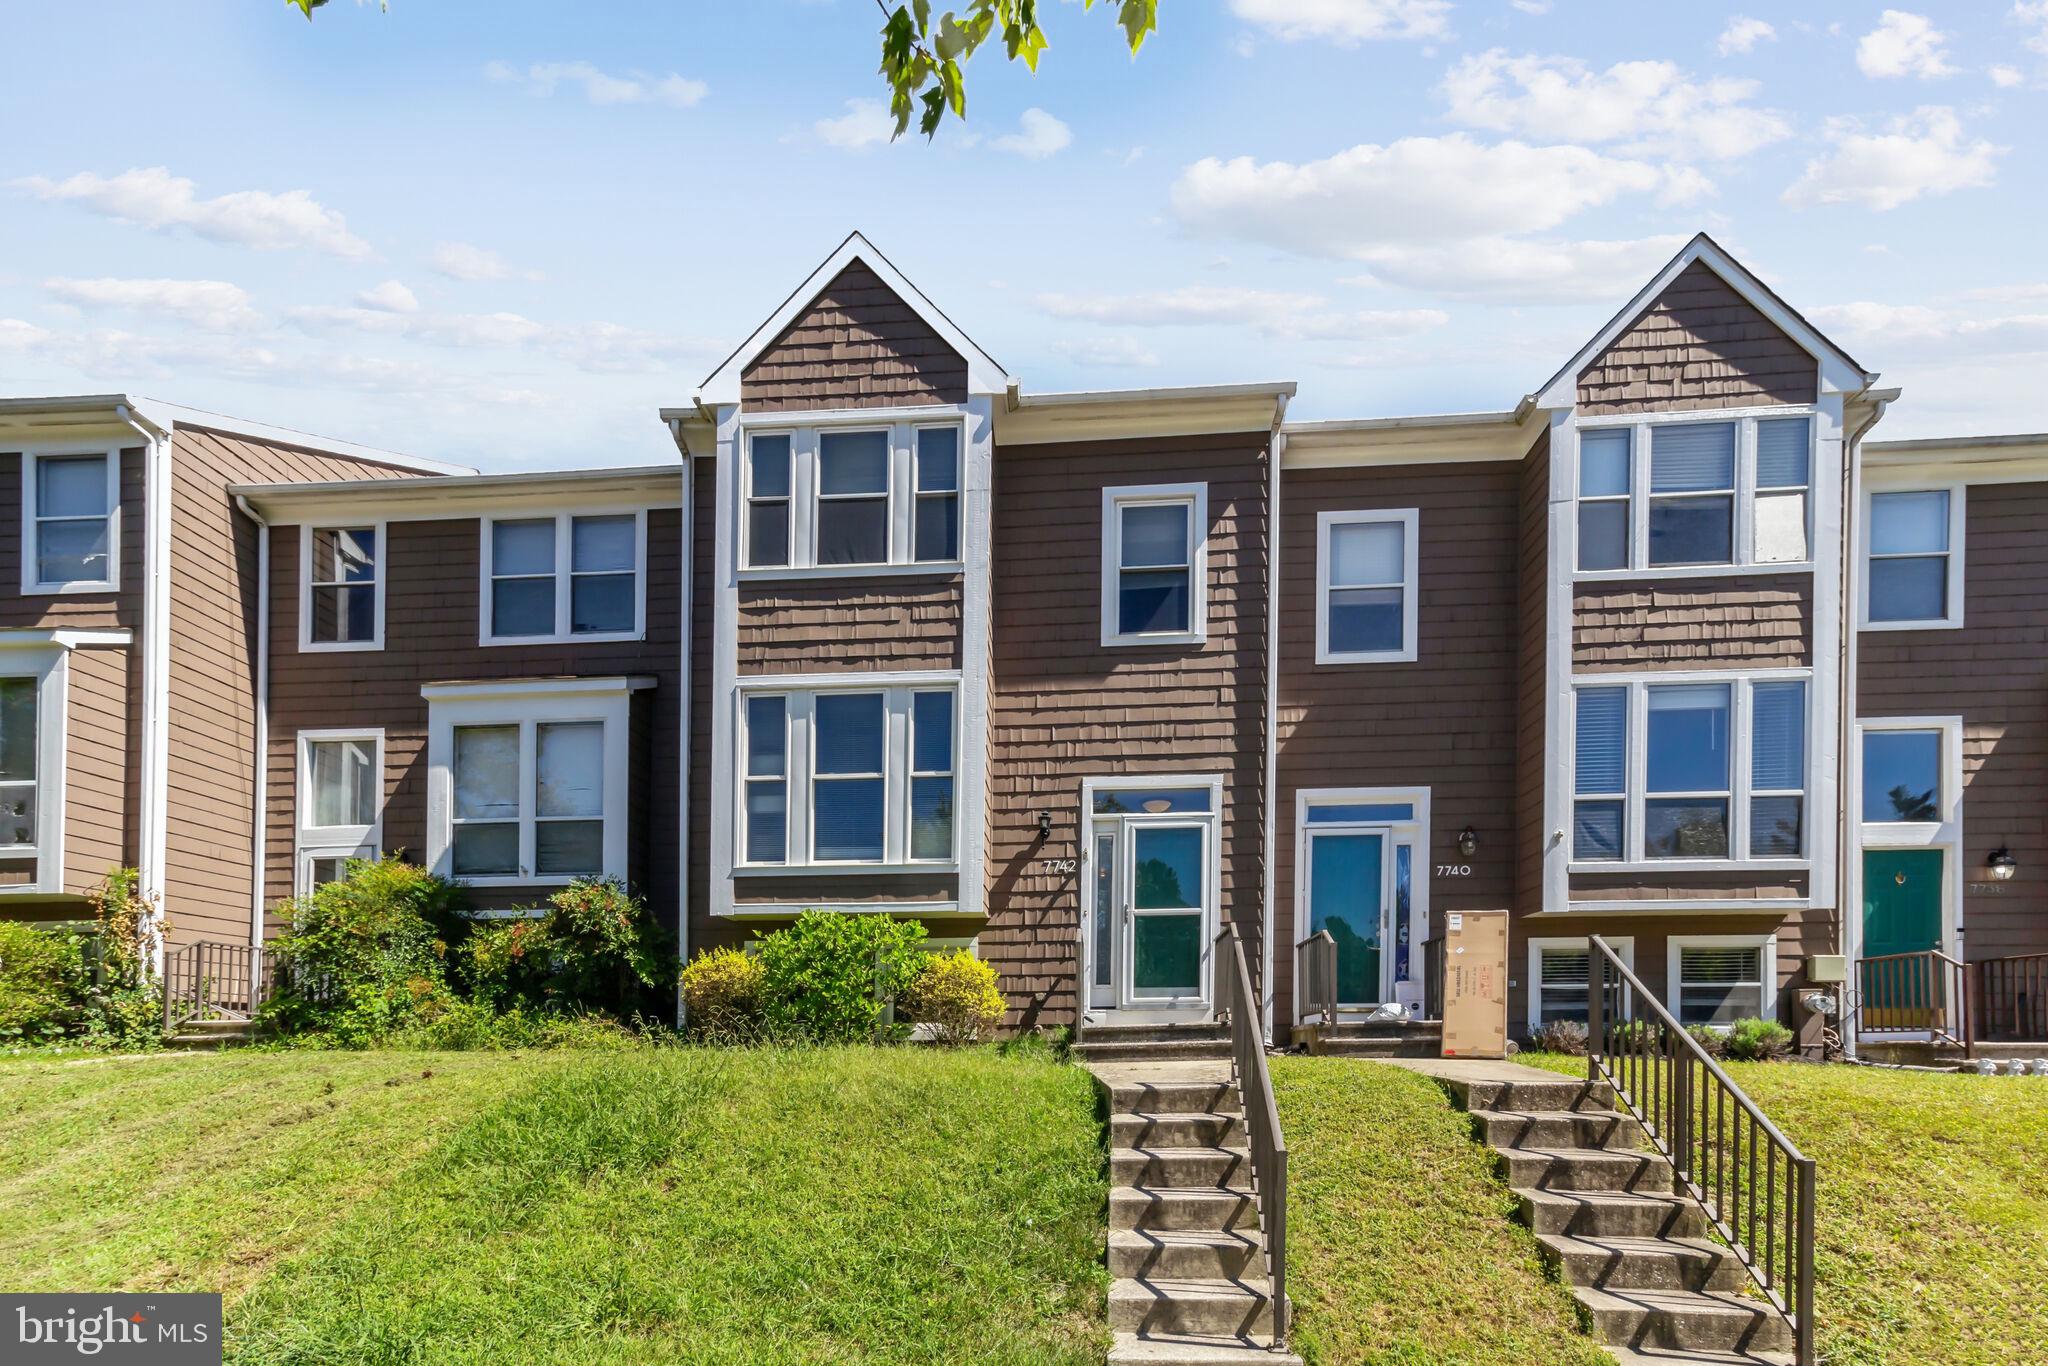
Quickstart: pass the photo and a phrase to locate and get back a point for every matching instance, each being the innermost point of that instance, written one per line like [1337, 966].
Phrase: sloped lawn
[1403, 1249]
[656, 1204]
[1932, 1218]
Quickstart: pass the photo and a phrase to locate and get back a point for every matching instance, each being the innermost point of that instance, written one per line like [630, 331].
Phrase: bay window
[18, 765]
[71, 503]
[1689, 769]
[570, 576]
[1154, 564]
[851, 498]
[1912, 569]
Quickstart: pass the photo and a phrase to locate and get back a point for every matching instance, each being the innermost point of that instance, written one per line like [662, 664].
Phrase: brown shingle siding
[849, 626]
[100, 819]
[1699, 345]
[1739, 622]
[857, 345]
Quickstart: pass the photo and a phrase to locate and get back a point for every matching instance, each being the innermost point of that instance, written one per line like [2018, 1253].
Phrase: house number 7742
[1454, 870]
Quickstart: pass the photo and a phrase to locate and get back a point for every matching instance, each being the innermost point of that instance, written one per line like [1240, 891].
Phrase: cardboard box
[1476, 984]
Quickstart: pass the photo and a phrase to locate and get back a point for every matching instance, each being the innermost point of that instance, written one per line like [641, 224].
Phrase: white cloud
[461, 261]
[1038, 136]
[390, 297]
[1418, 192]
[1271, 313]
[866, 123]
[2005, 77]
[594, 346]
[212, 304]
[17, 334]
[1922, 153]
[154, 198]
[1651, 108]
[1904, 44]
[2033, 14]
[1743, 34]
[542, 79]
[1347, 21]
[1531, 6]
[1511, 270]
[1109, 352]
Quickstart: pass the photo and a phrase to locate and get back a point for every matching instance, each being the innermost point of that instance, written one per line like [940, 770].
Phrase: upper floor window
[73, 523]
[571, 576]
[341, 602]
[851, 498]
[1694, 494]
[1365, 587]
[1656, 773]
[1154, 564]
[1913, 570]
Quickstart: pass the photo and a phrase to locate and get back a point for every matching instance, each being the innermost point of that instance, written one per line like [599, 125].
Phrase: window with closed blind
[1560, 977]
[1716, 980]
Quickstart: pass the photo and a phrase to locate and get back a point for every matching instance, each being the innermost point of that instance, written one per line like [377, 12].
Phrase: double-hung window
[570, 576]
[848, 740]
[1697, 769]
[1365, 587]
[342, 601]
[1784, 476]
[1561, 975]
[1719, 979]
[851, 498]
[1913, 570]
[1604, 481]
[768, 500]
[72, 522]
[341, 802]
[936, 518]
[19, 813]
[1692, 494]
[931, 776]
[1154, 564]
[766, 812]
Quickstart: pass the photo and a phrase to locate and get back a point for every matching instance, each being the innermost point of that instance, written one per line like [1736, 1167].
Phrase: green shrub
[364, 956]
[1560, 1036]
[591, 949]
[722, 993]
[956, 994]
[832, 976]
[1712, 1041]
[123, 1009]
[1756, 1040]
[41, 975]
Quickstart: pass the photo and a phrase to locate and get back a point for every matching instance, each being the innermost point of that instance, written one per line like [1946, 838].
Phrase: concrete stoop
[1184, 1249]
[211, 1033]
[1609, 1223]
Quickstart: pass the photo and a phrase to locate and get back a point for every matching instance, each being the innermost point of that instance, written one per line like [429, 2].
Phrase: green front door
[1901, 914]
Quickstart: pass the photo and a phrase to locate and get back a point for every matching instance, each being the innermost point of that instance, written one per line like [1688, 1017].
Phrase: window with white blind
[1913, 562]
[71, 522]
[1155, 541]
[852, 498]
[1690, 769]
[1694, 494]
[563, 577]
[1366, 586]
[1560, 976]
[1716, 980]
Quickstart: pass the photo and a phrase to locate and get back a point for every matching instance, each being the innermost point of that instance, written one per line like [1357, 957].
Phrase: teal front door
[1347, 896]
[1901, 914]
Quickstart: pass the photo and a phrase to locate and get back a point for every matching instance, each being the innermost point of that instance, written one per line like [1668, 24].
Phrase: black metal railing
[1315, 979]
[213, 981]
[1755, 1186]
[2011, 1004]
[1913, 994]
[1238, 1003]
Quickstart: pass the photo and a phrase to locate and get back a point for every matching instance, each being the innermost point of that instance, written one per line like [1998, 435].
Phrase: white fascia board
[1455, 438]
[533, 687]
[1838, 372]
[174, 414]
[984, 375]
[429, 498]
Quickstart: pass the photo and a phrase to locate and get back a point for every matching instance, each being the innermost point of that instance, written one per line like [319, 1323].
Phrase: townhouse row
[1667, 651]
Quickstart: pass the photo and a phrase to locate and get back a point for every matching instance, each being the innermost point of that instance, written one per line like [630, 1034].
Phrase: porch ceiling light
[1156, 805]
[2004, 865]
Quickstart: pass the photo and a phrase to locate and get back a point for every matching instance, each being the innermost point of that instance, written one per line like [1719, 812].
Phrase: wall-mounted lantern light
[1468, 842]
[1045, 825]
[2004, 865]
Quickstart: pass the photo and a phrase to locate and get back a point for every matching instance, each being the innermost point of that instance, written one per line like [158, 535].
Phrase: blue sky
[506, 231]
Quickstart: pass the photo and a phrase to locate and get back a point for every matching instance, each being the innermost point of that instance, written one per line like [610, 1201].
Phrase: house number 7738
[1454, 870]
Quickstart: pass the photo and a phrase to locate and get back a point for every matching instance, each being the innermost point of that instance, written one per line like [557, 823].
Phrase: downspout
[156, 667]
[1277, 447]
[1848, 845]
[688, 538]
[260, 764]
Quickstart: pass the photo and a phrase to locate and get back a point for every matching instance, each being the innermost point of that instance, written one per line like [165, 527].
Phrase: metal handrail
[1912, 993]
[214, 981]
[1315, 977]
[1720, 1145]
[2011, 998]
[1237, 1003]
[1433, 978]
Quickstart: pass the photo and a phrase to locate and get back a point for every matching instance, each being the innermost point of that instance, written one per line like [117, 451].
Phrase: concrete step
[1609, 1214]
[1170, 1050]
[212, 1033]
[1151, 1033]
[1174, 1098]
[1200, 1129]
[1181, 1168]
[1565, 1093]
[1242, 1308]
[1194, 1349]
[1641, 1263]
[1344, 1047]
[1668, 1356]
[1556, 1129]
[1685, 1320]
[1585, 1169]
[1186, 1254]
[1140, 1207]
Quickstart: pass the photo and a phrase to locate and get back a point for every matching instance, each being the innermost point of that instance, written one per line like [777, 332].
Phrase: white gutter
[156, 669]
[1270, 915]
[675, 427]
[259, 843]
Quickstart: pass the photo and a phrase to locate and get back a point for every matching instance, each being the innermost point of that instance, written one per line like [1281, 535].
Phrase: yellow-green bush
[955, 993]
[722, 992]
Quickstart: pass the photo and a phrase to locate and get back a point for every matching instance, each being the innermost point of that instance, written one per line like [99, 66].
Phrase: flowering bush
[722, 993]
[956, 994]
[592, 948]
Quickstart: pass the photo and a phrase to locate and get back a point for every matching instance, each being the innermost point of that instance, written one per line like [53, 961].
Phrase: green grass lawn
[1402, 1246]
[1932, 1221]
[673, 1204]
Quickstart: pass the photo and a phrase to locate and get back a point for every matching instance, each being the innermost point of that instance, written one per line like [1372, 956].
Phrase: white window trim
[1745, 493]
[800, 761]
[1415, 832]
[1952, 617]
[529, 703]
[1948, 831]
[382, 569]
[803, 431]
[1195, 497]
[328, 840]
[912, 773]
[1411, 586]
[1767, 1004]
[1212, 851]
[918, 493]
[1637, 768]
[48, 665]
[747, 780]
[564, 577]
[788, 501]
[1624, 946]
[30, 523]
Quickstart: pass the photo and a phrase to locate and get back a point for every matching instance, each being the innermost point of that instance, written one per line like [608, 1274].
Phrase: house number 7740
[1454, 870]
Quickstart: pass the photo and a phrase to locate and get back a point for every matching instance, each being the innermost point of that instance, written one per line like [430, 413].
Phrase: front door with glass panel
[1347, 886]
[1357, 881]
[1150, 912]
